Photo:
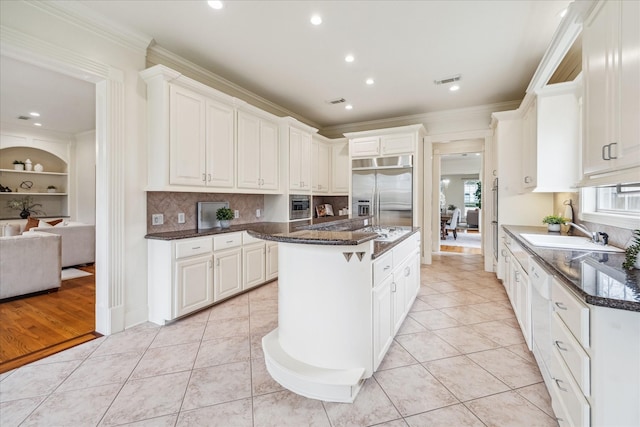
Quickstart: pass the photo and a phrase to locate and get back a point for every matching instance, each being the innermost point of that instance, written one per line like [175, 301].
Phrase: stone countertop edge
[514, 231]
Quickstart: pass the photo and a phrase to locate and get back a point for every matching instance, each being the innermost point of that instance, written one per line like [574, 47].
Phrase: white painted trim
[159, 55]
[81, 16]
[110, 127]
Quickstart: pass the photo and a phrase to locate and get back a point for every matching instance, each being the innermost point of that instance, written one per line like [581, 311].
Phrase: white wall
[85, 177]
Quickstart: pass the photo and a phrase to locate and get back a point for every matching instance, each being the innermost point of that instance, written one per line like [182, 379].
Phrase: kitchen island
[342, 296]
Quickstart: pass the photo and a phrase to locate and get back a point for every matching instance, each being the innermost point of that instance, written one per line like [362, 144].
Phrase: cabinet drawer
[572, 312]
[226, 241]
[572, 353]
[248, 239]
[189, 248]
[576, 408]
[405, 248]
[382, 268]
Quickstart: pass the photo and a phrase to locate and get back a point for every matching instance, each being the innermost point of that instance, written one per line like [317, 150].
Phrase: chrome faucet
[592, 234]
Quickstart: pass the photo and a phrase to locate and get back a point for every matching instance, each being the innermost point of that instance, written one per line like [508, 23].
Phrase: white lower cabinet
[253, 265]
[271, 263]
[394, 290]
[382, 320]
[194, 279]
[187, 275]
[227, 277]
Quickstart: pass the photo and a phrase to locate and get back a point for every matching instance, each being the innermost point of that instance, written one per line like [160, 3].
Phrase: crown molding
[563, 38]
[157, 55]
[81, 16]
[26, 48]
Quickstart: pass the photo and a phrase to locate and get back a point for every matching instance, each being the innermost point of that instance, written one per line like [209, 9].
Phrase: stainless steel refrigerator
[383, 187]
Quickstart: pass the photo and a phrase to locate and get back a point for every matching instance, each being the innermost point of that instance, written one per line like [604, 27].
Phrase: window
[618, 206]
[471, 199]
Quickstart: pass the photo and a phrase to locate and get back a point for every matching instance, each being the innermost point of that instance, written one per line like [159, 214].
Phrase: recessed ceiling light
[370, 81]
[316, 20]
[34, 114]
[349, 58]
[215, 4]
[348, 107]
[454, 88]
[37, 124]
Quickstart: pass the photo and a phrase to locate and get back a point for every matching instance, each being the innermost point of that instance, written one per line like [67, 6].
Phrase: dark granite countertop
[339, 232]
[597, 277]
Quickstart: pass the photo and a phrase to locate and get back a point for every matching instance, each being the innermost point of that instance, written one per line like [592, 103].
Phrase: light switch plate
[236, 214]
[181, 219]
[258, 213]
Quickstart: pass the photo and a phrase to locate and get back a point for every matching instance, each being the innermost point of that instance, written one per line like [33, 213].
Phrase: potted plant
[25, 205]
[224, 215]
[18, 165]
[554, 222]
[631, 253]
[451, 208]
[478, 195]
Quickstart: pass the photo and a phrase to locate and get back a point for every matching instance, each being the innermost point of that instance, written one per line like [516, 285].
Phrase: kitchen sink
[386, 234]
[567, 242]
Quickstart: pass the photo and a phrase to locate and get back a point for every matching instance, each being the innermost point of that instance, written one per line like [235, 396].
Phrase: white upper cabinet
[611, 67]
[258, 152]
[388, 142]
[365, 147]
[551, 140]
[320, 166]
[398, 144]
[187, 137]
[299, 159]
[220, 145]
[340, 168]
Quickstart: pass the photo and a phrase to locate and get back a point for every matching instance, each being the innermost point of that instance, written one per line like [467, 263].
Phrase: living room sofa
[78, 242]
[31, 262]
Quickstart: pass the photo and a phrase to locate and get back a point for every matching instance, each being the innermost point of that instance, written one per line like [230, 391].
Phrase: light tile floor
[458, 360]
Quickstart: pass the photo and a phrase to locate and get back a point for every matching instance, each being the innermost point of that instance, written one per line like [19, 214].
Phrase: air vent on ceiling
[448, 80]
[336, 101]
[24, 118]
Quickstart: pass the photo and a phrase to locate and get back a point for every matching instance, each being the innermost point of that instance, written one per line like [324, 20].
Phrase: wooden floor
[35, 327]
[460, 249]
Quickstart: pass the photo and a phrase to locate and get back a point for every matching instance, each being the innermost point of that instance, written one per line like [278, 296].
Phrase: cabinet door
[269, 156]
[253, 265]
[227, 277]
[272, 261]
[297, 152]
[186, 137]
[249, 150]
[365, 147]
[382, 321]
[193, 286]
[397, 144]
[398, 296]
[305, 162]
[340, 169]
[629, 154]
[220, 145]
[320, 167]
[412, 273]
[529, 148]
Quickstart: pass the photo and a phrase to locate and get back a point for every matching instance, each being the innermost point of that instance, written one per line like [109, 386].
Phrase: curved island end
[342, 296]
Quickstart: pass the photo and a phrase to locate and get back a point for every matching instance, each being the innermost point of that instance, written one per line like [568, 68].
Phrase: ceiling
[271, 49]
[461, 164]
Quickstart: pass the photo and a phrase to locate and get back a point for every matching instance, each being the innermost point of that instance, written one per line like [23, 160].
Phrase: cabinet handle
[218, 262]
[560, 305]
[558, 384]
[611, 157]
[210, 264]
[393, 286]
[204, 178]
[209, 177]
[407, 272]
[527, 180]
[604, 148]
[503, 252]
[557, 343]
[386, 268]
[229, 241]
[196, 247]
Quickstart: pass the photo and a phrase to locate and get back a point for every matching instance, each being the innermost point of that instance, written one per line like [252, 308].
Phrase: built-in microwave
[300, 206]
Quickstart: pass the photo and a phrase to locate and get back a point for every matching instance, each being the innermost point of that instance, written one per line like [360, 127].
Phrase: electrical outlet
[236, 214]
[257, 213]
[157, 219]
[181, 219]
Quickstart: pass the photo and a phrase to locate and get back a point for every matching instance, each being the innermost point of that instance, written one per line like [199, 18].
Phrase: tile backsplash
[170, 204]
